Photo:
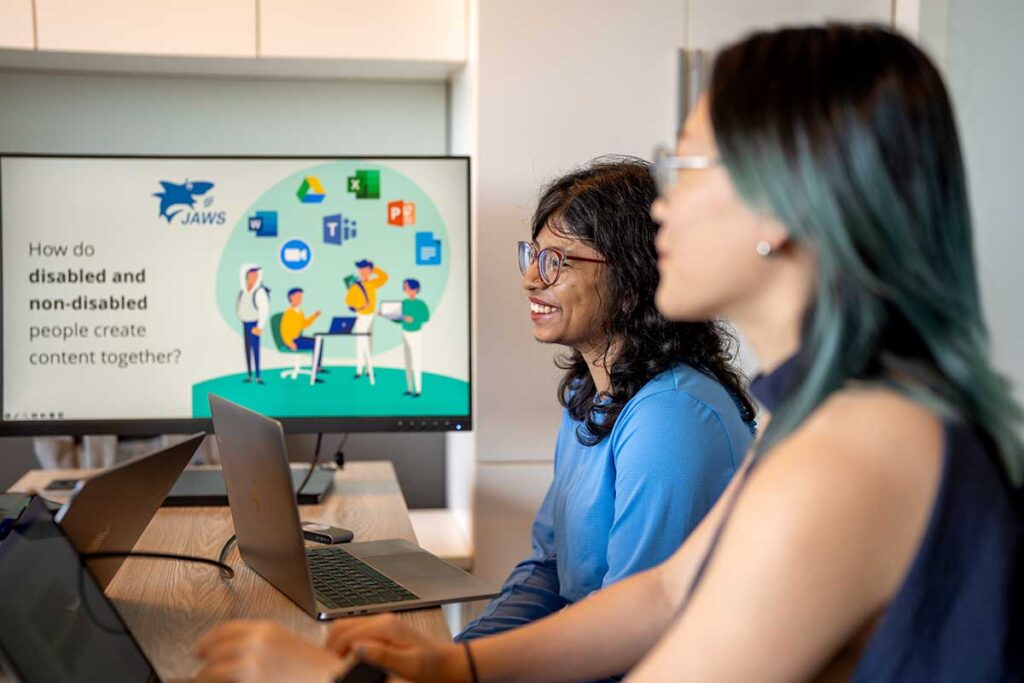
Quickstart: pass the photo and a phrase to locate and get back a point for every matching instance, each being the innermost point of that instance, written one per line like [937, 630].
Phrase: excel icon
[365, 184]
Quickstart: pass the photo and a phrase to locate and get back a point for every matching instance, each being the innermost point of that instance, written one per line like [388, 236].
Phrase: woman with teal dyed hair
[817, 198]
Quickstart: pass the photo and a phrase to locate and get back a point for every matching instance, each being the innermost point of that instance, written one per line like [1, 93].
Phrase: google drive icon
[311, 191]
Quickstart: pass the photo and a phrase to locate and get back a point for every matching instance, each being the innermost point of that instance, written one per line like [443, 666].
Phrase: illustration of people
[294, 321]
[414, 314]
[252, 308]
[361, 298]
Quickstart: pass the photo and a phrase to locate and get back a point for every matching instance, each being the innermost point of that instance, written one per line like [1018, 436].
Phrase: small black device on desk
[323, 533]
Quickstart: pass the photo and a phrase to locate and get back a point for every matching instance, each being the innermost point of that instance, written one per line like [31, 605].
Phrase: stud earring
[764, 248]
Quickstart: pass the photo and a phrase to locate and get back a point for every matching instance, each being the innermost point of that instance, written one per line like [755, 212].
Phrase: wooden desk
[167, 605]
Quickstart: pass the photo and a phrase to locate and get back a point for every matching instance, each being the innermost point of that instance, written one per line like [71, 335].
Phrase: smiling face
[571, 311]
[707, 244]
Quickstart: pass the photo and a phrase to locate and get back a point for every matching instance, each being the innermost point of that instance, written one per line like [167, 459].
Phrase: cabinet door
[414, 30]
[200, 28]
[16, 25]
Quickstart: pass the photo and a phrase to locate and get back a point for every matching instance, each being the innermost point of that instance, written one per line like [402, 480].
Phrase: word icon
[338, 229]
[428, 249]
[401, 213]
[264, 224]
[365, 184]
[311, 191]
[296, 254]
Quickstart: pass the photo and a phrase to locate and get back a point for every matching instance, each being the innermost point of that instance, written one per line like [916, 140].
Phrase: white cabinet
[412, 30]
[16, 25]
[198, 28]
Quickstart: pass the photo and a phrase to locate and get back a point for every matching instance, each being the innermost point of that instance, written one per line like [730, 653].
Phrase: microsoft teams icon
[338, 229]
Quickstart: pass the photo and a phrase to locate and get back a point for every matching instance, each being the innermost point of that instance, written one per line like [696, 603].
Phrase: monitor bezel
[292, 425]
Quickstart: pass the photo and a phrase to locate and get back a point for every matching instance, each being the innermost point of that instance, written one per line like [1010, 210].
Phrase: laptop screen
[55, 623]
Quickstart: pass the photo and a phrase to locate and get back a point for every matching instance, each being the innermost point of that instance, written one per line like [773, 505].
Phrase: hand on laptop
[263, 651]
[385, 641]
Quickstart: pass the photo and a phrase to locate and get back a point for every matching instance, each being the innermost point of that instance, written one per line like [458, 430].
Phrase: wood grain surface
[167, 605]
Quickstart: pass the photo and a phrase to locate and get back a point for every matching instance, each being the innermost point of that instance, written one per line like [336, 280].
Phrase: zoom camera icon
[296, 254]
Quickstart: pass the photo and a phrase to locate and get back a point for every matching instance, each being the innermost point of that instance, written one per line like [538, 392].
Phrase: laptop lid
[391, 310]
[254, 459]
[110, 510]
[57, 625]
[342, 325]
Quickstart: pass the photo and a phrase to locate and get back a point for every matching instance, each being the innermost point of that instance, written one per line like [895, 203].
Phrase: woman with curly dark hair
[655, 419]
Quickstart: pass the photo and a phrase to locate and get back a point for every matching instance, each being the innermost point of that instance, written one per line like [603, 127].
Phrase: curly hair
[607, 204]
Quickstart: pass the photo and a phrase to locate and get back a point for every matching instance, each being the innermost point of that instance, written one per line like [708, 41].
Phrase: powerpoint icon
[401, 213]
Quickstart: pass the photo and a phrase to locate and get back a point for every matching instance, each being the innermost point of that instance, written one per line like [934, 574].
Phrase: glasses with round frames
[549, 261]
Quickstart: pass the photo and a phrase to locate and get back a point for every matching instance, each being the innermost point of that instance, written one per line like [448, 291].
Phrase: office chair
[275, 328]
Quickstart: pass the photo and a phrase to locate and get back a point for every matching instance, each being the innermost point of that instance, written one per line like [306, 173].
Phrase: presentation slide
[134, 287]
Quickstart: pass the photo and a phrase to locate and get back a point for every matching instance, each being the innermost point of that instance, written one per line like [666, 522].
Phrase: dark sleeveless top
[959, 614]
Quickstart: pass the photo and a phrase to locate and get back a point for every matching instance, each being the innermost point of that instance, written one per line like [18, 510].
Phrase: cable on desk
[226, 571]
[312, 466]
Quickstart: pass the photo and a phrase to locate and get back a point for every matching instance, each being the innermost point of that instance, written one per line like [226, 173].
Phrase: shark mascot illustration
[180, 195]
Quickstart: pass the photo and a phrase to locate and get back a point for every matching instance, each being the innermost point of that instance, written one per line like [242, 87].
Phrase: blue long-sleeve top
[625, 504]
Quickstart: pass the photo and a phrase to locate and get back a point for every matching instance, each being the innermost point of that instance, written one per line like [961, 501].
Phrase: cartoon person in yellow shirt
[294, 321]
[361, 299]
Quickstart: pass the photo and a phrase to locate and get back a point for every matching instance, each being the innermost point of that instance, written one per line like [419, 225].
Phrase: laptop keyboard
[341, 580]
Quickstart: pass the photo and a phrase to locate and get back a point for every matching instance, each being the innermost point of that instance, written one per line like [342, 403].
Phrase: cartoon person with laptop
[412, 315]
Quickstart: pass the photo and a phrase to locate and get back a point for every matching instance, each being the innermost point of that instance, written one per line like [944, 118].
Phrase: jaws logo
[179, 201]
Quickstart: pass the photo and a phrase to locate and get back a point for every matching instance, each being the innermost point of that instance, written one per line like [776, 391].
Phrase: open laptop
[111, 509]
[341, 325]
[392, 310]
[328, 581]
[57, 625]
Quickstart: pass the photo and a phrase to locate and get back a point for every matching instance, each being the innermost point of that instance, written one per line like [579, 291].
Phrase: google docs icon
[428, 249]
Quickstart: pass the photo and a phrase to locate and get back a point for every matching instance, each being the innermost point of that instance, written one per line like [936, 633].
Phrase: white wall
[560, 83]
[984, 64]
[64, 113]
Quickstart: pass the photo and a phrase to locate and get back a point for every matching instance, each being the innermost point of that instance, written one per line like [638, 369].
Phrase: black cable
[226, 571]
[312, 467]
[222, 558]
[339, 455]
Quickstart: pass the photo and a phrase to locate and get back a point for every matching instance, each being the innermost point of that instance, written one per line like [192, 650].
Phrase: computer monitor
[134, 286]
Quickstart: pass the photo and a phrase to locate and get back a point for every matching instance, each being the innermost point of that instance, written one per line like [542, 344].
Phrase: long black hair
[853, 146]
[607, 205]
